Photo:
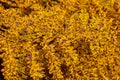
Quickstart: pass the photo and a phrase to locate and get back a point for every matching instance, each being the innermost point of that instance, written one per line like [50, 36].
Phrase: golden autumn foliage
[60, 39]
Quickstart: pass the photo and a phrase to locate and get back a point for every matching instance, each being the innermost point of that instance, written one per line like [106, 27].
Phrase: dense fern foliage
[60, 39]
